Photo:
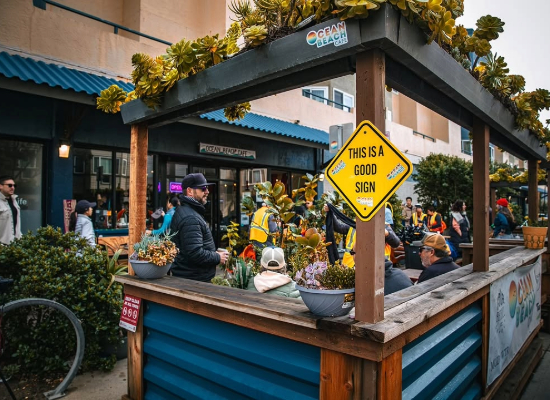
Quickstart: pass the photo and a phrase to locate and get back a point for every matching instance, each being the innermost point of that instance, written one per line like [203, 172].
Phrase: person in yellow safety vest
[419, 218]
[261, 227]
[348, 258]
[435, 222]
[340, 223]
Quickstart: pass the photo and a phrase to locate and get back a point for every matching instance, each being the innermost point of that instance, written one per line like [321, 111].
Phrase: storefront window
[209, 173]
[23, 161]
[228, 207]
[92, 183]
[280, 176]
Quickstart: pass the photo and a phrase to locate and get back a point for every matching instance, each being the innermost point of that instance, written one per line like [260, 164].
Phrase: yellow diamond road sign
[368, 170]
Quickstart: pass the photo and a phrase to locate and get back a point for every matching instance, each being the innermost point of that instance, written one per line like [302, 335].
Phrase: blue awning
[272, 125]
[27, 69]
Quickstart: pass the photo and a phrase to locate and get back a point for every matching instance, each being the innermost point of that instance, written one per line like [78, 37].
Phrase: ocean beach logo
[335, 34]
[340, 166]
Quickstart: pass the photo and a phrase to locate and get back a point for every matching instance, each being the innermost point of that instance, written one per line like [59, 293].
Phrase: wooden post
[548, 211]
[492, 203]
[135, 359]
[533, 194]
[481, 196]
[370, 84]
[390, 377]
[138, 185]
[346, 377]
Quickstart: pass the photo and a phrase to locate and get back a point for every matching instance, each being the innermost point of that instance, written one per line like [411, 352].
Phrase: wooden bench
[114, 243]
[413, 274]
[494, 248]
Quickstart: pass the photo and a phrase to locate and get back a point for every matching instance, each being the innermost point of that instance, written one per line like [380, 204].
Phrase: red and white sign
[130, 313]
[68, 208]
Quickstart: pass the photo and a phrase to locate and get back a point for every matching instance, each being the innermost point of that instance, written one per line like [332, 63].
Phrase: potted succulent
[153, 255]
[327, 290]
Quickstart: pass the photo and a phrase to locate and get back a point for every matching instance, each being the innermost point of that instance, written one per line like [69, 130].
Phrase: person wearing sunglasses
[197, 258]
[10, 213]
[435, 255]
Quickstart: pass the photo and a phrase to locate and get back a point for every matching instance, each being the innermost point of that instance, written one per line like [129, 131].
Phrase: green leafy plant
[279, 205]
[65, 269]
[115, 269]
[442, 179]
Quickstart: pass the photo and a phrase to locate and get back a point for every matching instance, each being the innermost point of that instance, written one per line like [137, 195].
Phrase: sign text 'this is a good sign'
[368, 170]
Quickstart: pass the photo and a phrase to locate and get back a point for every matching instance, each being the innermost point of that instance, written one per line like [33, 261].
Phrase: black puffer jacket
[197, 258]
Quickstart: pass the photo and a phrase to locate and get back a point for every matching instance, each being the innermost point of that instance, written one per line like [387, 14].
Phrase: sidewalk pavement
[100, 385]
[538, 387]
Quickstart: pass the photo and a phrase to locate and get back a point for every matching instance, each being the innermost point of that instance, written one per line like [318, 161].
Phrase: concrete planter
[147, 270]
[328, 303]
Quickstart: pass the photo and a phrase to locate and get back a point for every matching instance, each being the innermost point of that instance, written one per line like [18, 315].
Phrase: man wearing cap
[419, 218]
[197, 258]
[10, 213]
[435, 256]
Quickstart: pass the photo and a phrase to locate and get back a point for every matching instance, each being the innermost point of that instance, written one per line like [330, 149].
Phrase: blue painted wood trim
[189, 356]
[445, 362]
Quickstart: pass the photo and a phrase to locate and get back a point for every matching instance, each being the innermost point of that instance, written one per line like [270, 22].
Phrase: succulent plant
[489, 27]
[255, 35]
[237, 112]
[110, 99]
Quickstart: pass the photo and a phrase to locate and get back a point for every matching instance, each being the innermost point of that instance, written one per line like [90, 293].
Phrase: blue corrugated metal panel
[272, 125]
[26, 69]
[194, 357]
[445, 362]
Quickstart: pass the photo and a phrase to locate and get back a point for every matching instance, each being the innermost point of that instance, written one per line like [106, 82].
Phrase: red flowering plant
[156, 249]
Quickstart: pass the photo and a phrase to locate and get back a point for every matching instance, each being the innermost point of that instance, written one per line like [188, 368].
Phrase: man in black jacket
[435, 255]
[197, 258]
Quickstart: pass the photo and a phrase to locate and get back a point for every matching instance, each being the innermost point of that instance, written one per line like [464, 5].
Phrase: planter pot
[147, 270]
[328, 303]
[534, 237]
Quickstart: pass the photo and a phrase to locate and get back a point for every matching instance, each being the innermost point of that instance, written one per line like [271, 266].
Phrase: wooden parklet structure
[197, 340]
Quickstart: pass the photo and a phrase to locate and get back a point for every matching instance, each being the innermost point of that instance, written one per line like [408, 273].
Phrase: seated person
[273, 279]
[435, 255]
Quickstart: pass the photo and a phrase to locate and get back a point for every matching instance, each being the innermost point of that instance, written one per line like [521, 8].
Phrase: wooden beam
[480, 145]
[533, 194]
[341, 377]
[369, 259]
[138, 185]
[135, 360]
[547, 210]
[492, 203]
[390, 373]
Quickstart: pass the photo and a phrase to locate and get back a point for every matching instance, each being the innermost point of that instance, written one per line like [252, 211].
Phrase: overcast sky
[525, 42]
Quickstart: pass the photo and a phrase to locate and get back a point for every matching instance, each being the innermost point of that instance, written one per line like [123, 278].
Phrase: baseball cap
[83, 205]
[273, 258]
[157, 214]
[433, 240]
[194, 181]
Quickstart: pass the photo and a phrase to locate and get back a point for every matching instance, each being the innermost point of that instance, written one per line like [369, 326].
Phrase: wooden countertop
[404, 310]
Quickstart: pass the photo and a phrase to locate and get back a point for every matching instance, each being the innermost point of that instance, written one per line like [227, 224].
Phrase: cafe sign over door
[226, 151]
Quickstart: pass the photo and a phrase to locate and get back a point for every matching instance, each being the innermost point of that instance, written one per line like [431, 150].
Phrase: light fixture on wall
[321, 177]
[64, 149]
